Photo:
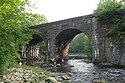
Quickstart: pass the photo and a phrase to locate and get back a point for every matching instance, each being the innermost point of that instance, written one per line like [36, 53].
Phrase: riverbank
[33, 75]
[74, 71]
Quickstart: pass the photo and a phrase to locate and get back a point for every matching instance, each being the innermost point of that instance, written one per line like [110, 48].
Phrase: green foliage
[87, 47]
[43, 46]
[106, 6]
[81, 44]
[77, 45]
[112, 12]
[38, 19]
[42, 50]
[14, 32]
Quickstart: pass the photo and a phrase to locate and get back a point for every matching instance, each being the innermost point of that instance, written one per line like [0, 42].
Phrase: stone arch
[31, 50]
[36, 39]
[87, 24]
[64, 37]
[66, 34]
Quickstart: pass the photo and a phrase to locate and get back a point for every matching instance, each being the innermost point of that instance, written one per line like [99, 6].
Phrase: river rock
[65, 77]
[21, 81]
[12, 69]
[94, 72]
[70, 74]
[21, 70]
[97, 80]
[18, 79]
[105, 64]
[51, 79]
[4, 77]
[14, 82]
[7, 80]
[58, 65]
[42, 76]
[71, 66]
[33, 75]
[45, 65]
[36, 74]
[59, 78]
[123, 73]
[43, 81]
[41, 73]
[13, 78]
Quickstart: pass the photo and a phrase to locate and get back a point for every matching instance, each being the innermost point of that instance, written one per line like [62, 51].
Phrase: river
[84, 72]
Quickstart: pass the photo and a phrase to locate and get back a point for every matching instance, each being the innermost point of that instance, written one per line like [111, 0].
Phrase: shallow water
[88, 72]
[84, 72]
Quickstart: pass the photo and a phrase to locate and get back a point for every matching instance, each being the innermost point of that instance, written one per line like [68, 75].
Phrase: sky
[55, 10]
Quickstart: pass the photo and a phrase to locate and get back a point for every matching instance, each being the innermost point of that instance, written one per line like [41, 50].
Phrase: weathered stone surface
[62, 32]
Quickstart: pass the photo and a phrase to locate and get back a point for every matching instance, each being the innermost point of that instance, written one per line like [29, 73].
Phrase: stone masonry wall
[116, 51]
[104, 49]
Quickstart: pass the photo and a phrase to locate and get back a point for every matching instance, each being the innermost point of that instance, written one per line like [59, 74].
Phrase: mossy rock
[66, 81]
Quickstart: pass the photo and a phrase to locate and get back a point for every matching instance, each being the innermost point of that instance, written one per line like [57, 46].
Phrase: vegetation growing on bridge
[112, 11]
[14, 32]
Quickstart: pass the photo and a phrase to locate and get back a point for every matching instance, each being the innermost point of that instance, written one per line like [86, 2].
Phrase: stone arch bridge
[58, 35]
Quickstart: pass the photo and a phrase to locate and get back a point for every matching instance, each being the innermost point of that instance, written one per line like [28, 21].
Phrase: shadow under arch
[36, 39]
[63, 40]
[31, 50]
[66, 35]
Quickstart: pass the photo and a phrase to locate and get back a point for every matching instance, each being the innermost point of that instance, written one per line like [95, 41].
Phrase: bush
[106, 6]
[112, 12]
[14, 32]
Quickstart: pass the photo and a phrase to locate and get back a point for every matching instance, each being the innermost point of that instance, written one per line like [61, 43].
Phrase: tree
[38, 19]
[14, 32]
[77, 45]
[87, 47]
[113, 13]
[81, 44]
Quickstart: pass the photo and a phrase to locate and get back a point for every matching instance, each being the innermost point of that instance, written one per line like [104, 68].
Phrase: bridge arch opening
[34, 51]
[80, 47]
[63, 41]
